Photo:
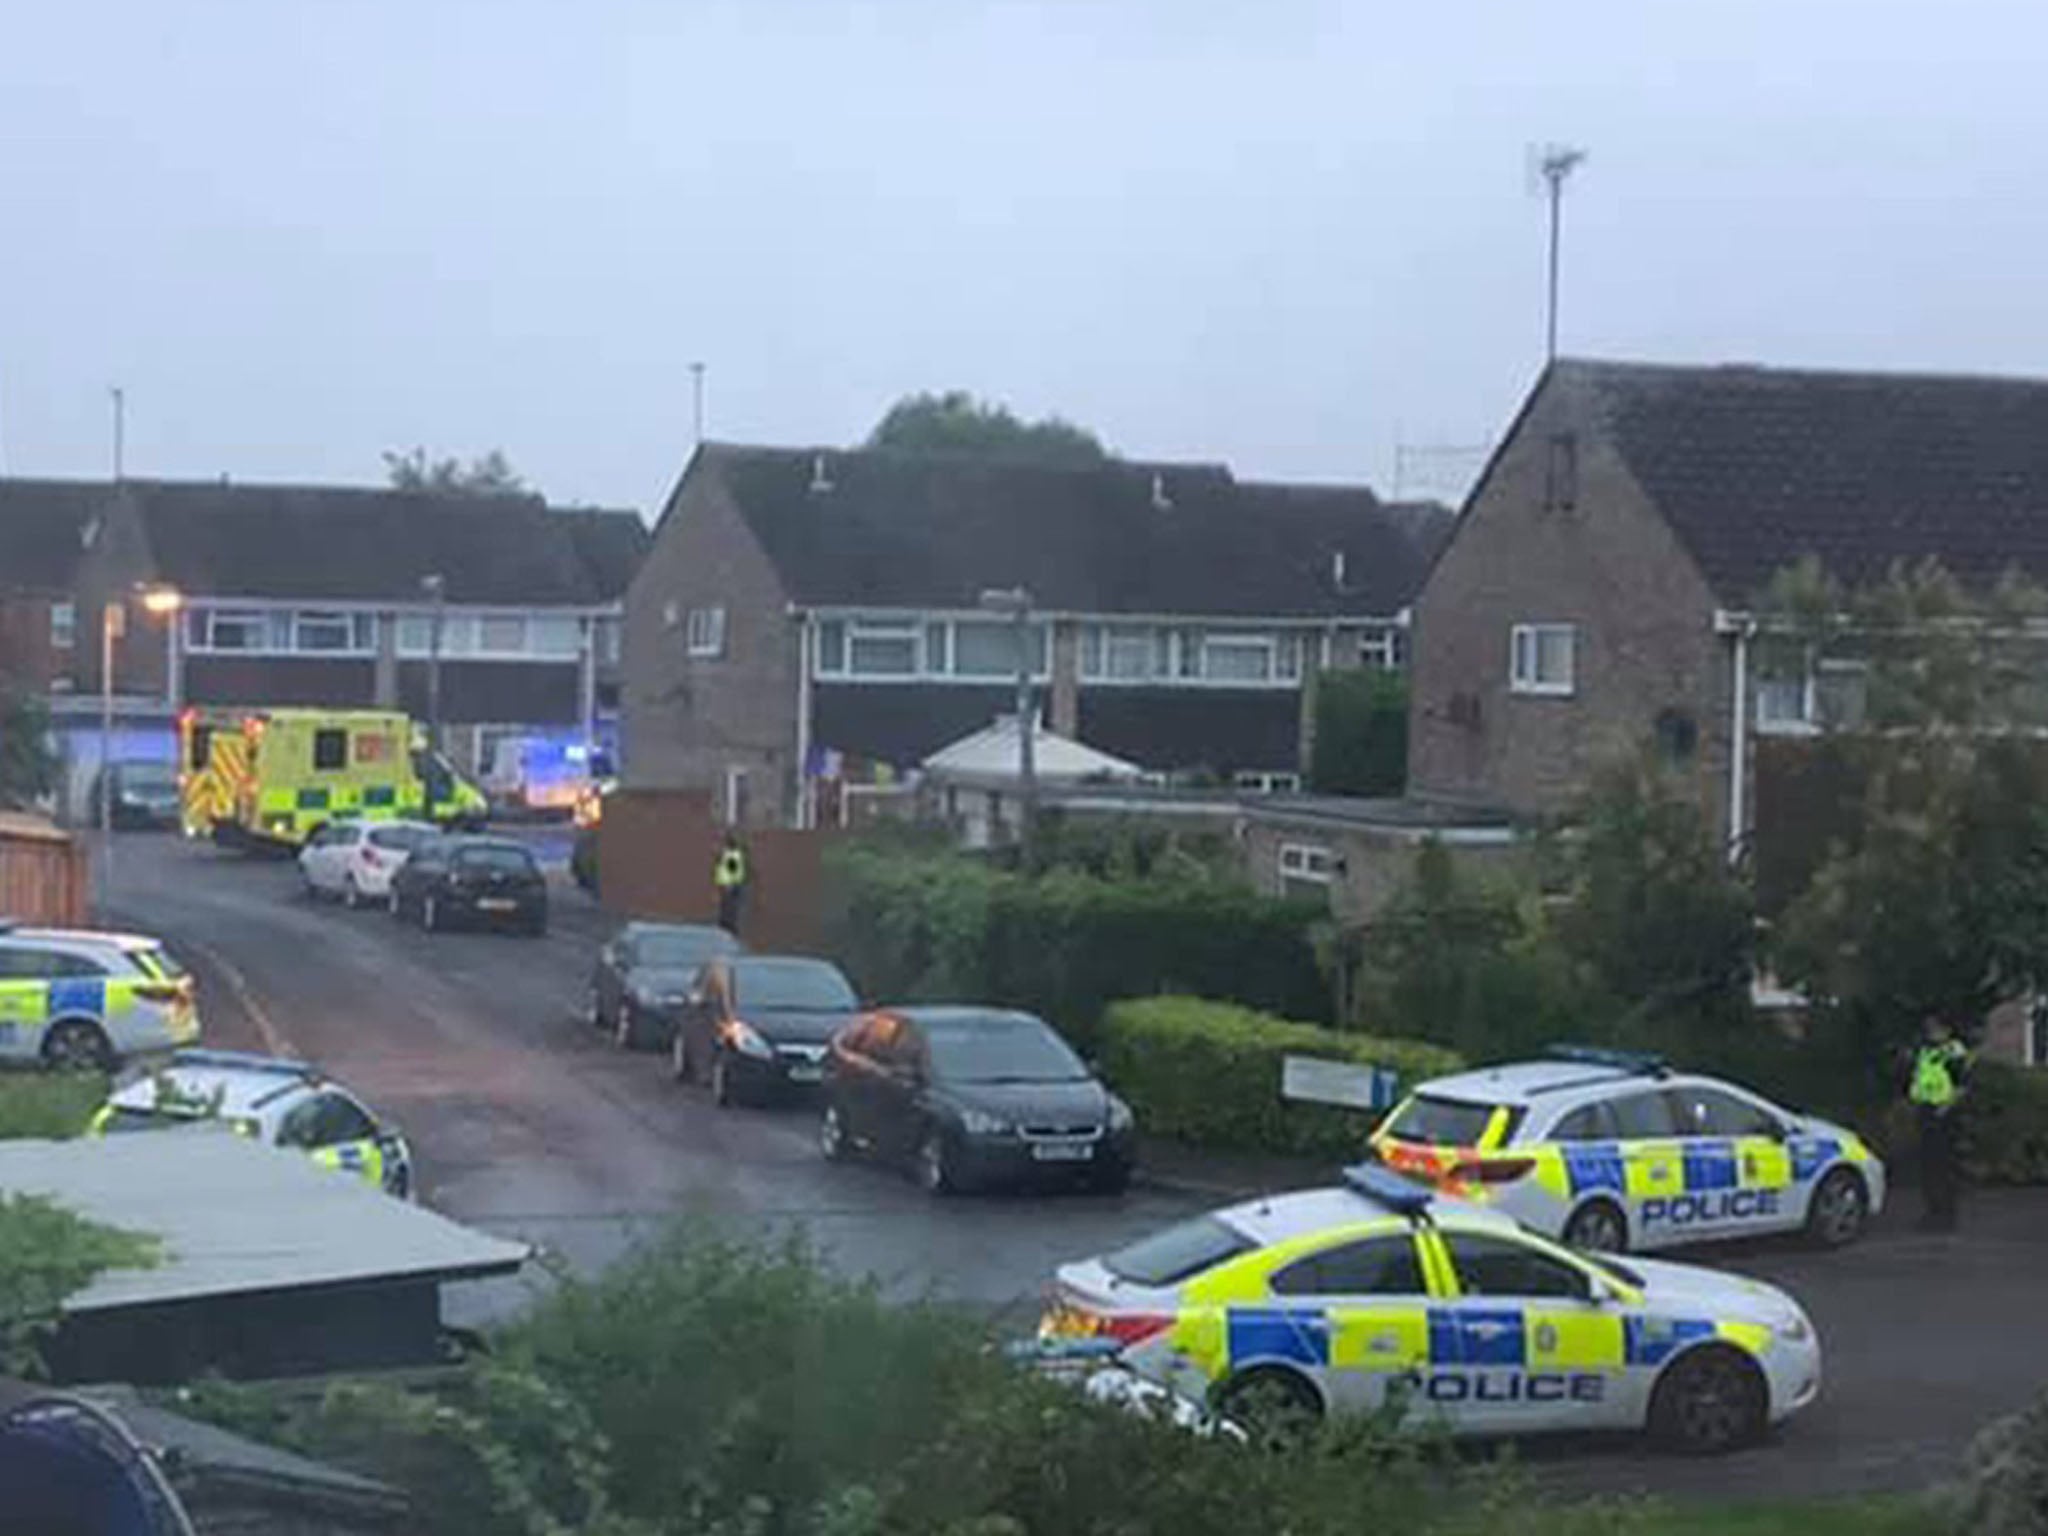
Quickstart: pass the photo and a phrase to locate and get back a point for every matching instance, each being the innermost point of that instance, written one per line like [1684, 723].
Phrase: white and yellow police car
[80, 998]
[1611, 1151]
[278, 1102]
[1381, 1295]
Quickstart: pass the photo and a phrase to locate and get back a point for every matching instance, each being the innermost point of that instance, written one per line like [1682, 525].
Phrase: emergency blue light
[1399, 1194]
[1644, 1063]
[241, 1061]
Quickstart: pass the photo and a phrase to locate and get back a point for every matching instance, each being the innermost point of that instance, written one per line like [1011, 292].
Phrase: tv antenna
[1549, 166]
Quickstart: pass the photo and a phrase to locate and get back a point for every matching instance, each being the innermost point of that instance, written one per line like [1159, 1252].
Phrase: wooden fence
[44, 875]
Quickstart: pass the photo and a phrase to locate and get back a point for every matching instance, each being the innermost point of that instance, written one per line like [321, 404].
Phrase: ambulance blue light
[1643, 1063]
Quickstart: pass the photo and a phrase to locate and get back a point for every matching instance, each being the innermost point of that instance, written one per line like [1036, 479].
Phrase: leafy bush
[921, 927]
[48, 1254]
[1209, 1073]
[50, 1105]
[1361, 736]
[2004, 1487]
[2005, 1124]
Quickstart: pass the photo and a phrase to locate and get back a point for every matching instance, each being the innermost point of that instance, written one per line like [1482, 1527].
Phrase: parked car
[356, 860]
[759, 1024]
[486, 881]
[280, 1103]
[141, 795]
[970, 1096]
[76, 998]
[646, 977]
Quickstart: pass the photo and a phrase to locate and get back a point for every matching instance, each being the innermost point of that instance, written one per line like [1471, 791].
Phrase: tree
[1361, 740]
[28, 768]
[956, 424]
[491, 475]
[1933, 893]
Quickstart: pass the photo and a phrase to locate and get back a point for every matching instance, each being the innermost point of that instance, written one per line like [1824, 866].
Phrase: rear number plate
[806, 1072]
[1063, 1151]
[495, 904]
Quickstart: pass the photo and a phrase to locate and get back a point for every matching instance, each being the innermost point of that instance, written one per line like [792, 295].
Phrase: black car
[970, 1096]
[759, 1025]
[647, 975]
[487, 881]
[141, 795]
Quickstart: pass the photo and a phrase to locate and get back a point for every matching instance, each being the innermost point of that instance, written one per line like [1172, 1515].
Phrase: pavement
[525, 1123]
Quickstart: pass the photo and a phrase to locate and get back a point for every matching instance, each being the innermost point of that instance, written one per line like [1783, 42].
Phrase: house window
[1782, 702]
[1542, 659]
[935, 648]
[63, 626]
[554, 635]
[458, 634]
[1379, 650]
[1268, 783]
[1241, 658]
[226, 629]
[415, 634]
[832, 647]
[704, 635]
[607, 640]
[990, 649]
[1561, 477]
[1126, 653]
[316, 631]
[882, 650]
[1306, 868]
[502, 634]
[1287, 657]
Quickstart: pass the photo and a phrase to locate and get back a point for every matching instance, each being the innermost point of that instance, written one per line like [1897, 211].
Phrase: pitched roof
[904, 530]
[993, 752]
[610, 543]
[1755, 468]
[42, 524]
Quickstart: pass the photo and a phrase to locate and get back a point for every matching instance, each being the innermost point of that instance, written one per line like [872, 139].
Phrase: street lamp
[159, 601]
[1016, 602]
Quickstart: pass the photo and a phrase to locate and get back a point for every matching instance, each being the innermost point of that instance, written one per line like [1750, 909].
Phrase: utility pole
[1557, 163]
[696, 405]
[120, 429]
[1016, 602]
[436, 588]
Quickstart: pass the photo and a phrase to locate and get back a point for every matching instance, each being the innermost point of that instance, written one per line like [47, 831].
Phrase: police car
[278, 1102]
[1380, 1294]
[72, 997]
[1611, 1151]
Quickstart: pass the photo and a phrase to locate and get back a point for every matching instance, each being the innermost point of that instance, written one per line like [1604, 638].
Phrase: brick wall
[27, 658]
[1607, 564]
[686, 721]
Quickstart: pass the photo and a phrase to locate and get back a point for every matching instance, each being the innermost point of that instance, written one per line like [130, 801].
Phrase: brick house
[1599, 590]
[40, 551]
[316, 595]
[808, 619]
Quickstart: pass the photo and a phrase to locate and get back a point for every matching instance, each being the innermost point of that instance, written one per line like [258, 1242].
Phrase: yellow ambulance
[279, 775]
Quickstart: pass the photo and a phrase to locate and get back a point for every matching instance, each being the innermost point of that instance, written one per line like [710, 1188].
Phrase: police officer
[1935, 1090]
[729, 875]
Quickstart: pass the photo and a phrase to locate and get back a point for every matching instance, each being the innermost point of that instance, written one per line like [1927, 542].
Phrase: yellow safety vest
[1934, 1078]
[731, 870]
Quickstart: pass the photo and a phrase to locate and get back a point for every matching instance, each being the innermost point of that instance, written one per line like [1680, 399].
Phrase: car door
[1738, 1167]
[1653, 1166]
[1358, 1307]
[24, 996]
[316, 858]
[1525, 1343]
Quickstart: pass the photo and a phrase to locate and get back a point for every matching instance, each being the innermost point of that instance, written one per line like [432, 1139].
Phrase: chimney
[820, 481]
[1161, 502]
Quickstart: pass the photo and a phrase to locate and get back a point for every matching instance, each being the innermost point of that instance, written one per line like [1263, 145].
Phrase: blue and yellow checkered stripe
[1478, 1337]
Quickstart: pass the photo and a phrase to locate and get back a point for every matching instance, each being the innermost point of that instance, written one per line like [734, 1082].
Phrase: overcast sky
[1282, 234]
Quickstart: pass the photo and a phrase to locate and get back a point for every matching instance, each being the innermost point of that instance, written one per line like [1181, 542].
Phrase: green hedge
[51, 1106]
[1208, 1073]
[917, 927]
[2005, 1124]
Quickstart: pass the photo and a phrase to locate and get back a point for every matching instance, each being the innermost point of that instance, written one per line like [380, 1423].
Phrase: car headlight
[747, 1040]
[1120, 1116]
[1794, 1329]
[979, 1122]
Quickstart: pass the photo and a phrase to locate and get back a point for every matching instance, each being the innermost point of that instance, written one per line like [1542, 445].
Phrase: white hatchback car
[355, 860]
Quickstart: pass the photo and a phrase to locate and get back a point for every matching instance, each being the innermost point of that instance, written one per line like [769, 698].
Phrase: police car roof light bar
[243, 1061]
[1642, 1063]
[1399, 1194]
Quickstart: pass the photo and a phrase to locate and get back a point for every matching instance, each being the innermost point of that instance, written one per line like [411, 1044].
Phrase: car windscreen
[1170, 1256]
[1000, 1048]
[400, 839]
[497, 859]
[803, 985]
[1444, 1122]
[679, 950]
[154, 777]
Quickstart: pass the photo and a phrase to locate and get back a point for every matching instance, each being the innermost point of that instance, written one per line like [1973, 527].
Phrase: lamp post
[1016, 602]
[436, 588]
[158, 601]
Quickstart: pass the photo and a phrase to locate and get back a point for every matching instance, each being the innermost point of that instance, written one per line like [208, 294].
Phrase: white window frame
[212, 620]
[949, 664]
[1379, 650]
[63, 626]
[482, 623]
[704, 633]
[1265, 644]
[1525, 660]
[890, 630]
[1261, 783]
[1306, 864]
[307, 619]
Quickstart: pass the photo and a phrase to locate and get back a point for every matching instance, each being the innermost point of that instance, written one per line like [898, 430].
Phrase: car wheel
[1840, 1210]
[76, 1046]
[625, 1031]
[1708, 1401]
[1597, 1227]
[934, 1167]
[1275, 1407]
[430, 914]
[832, 1139]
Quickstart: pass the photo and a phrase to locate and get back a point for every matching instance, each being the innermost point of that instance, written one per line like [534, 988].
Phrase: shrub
[51, 1105]
[2004, 1487]
[48, 1254]
[2005, 1124]
[1209, 1073]
[915, 927]
[1361, 740]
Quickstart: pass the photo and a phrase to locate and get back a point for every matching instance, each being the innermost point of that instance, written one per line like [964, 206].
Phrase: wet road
[526, 1123]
